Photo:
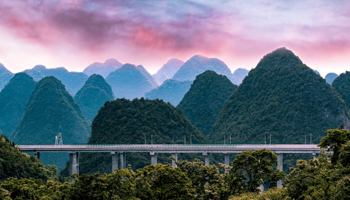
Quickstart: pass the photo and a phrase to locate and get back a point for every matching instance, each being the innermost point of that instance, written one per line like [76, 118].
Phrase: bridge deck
[172, 148]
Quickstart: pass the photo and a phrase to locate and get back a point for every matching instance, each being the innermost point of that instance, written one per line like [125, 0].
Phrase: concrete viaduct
[205, 149]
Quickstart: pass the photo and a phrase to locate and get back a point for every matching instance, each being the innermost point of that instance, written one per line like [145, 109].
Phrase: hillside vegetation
[13, 100]
[51, 110]
[131, 122]
[284, 98]
[206, 97]
[93, 95]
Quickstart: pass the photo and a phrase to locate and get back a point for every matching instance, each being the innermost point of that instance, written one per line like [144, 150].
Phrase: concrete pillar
[122, 160]
[314, 155]
[37, 154]
[206, 158]
[262, 188]
[172, 161]
[73, 163]
[280, 167]
[227, 161]
[153, 158]
[114, 161]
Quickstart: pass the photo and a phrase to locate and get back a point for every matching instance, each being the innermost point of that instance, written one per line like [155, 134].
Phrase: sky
[76, 33]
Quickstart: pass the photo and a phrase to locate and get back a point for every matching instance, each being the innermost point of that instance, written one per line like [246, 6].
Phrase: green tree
[162, 182]
[334, 141]
[250, 169]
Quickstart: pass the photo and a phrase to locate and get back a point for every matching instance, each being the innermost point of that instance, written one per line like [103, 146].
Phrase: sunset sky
[76, 33]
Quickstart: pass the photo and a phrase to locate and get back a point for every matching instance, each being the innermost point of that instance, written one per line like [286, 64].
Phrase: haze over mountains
[130, 81]
[5, 76]
[170, 91]
[73, 81]
[103, 69]
[168, 70]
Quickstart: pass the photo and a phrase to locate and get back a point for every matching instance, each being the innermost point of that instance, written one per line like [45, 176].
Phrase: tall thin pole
[224, 140]
[310, 138]
[151, 139]
[191, 138]
[184, 139]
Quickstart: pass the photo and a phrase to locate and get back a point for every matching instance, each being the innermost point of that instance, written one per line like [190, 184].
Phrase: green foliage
[284, 98]
[130, 81]
[206, 97]
[129, 122]
[162, 182]
[171, 91]
[250, 169]
[272, 194]
[13, 100]
[335, 140]
[51, 110]
[14, 163]
[93, 95]
[205, 179]
[342, 85]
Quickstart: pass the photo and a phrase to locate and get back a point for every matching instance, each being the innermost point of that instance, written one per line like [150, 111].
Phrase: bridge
[205, 149]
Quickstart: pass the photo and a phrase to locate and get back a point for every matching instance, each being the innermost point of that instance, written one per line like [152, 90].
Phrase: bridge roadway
[174, 149]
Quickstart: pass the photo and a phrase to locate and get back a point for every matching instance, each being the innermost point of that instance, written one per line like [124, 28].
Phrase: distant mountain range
[5, 76]
[103, 69]
[240, 74]
[330, 77]
[199, 64]
[73, 81]
[168, 70]
[93, 95]
[170, 91]
[130, 81]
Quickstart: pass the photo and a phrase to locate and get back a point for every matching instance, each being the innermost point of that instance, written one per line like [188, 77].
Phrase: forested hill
[206, 97]
[342, 86]
[13, 100]
[16, 164]
[93, 95]
[129, 122]
[282, 97]
[51, 110]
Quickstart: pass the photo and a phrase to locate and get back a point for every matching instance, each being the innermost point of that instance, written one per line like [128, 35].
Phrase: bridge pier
[122, 160]
[114, 160]
[37, 154]
[173, 164]
[153, 158]
[227, 161]
[73, 163]
[280, 167]
[206, 158]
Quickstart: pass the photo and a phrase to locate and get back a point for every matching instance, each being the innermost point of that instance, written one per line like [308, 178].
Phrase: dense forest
[51, 110]
[324, 178]
[206, 97]
[138, 121]
[342, 85]
[13, 100]
[91, 97]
